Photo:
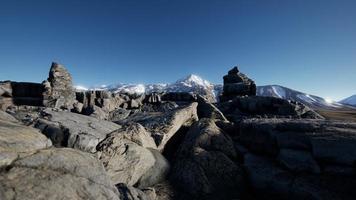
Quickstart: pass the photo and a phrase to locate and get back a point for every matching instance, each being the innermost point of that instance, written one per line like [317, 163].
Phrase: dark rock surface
[205, 167]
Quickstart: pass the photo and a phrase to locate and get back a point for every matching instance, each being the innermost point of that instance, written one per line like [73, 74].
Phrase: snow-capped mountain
[289, 94]
[349, 100]
[196, 84]
[191, 83]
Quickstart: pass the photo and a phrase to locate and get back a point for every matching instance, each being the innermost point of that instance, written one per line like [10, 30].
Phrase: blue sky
[307, 45]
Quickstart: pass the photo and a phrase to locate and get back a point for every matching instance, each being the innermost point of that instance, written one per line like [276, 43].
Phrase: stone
[329, 141]
[298, 161]
[75, 130]
[163, 126]
[118, 114]
[237, 84]
[128, 162]
[153, 98]
[208, 110]
[270, 106]
[130, 193]
[18, 140]
[56, 174]
[204, 167]
[266, 178]
[61, 93]
[179, 96]
[7, 117]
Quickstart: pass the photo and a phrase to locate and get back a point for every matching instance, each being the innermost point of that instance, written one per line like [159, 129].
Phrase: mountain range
[194, 83]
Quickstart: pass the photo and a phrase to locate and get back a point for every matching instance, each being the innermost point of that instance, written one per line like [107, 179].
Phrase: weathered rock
[153, 98]
[270, 106]
[75, 130]
[61, 93]
[119, 114]
[56, 174]
[179, 96]
[7, 117]
[131, 193]
[17, 140]
[204, 166]
[237, 84]
[208, 110]
[329, 141]
[266, 178]
[128, 162]
[163, 126]
[298, 161]
[136, 133]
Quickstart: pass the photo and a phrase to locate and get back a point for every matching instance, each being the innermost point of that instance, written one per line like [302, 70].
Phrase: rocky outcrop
[163, 126]
[56, 174]
[204, 164]
[329, 142]
[129, 157]
[74, 130]
[58, 88]
[257, 106]
[20, 93]
[179, 96]
[17, 140]
[208, 110]
[237, 84]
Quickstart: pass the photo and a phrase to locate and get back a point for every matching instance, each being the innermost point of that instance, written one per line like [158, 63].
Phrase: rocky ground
[56, 143]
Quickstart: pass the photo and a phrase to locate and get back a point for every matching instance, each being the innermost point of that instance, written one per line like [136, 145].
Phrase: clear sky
[307, 45]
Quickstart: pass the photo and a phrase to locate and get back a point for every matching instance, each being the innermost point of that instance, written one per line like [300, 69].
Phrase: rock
[128, 162]
[119, 114]
[98, 113]
[77, 107]
[136, 133]
[266, 178]
[166, 106]
[7, 117]
[328, 141]
[131, 193]
[134, 104]
[17, 140]
[163, 126]
[298, 161]
[153, 98]
[204, 167]
[179, 96]
[208, 110]
[270, 106]
[56, 174]
[61, 93]
[237, 84]
[75, 130]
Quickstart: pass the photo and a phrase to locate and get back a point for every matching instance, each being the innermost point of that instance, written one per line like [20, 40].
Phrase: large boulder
[74, 130]
[204, 165]
[163, 126]
[18, 140]
[56, 174]
[127, 160]
[59, 92]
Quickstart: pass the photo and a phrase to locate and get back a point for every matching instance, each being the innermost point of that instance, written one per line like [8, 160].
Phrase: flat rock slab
[79, 131]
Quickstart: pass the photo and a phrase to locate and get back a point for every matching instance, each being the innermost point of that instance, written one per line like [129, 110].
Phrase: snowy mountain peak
[194, 80]
[349, 100]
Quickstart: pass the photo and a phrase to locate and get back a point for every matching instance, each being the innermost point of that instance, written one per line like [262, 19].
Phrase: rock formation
[237, 84]
[58, 88]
